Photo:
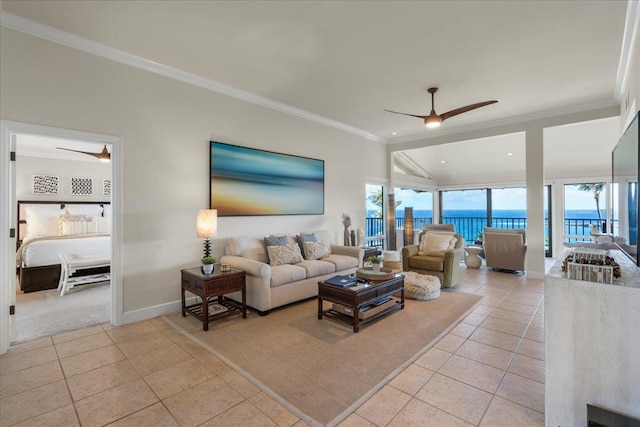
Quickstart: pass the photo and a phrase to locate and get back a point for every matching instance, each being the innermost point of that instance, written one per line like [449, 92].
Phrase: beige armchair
[444, 265]
[505, 249]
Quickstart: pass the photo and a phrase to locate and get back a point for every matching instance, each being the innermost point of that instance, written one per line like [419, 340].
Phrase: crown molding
[631, 27]
[18, 23]
[506, 121]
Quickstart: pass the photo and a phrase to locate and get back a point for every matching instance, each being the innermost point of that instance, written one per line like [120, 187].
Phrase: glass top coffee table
[362, 302]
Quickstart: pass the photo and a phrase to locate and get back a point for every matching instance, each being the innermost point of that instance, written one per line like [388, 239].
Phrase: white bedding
[47, 252]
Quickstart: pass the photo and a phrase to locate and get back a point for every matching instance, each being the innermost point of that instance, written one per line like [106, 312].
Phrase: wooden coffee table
[359, 296]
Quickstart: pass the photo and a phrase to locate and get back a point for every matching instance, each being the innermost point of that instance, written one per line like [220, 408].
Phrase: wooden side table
[209, 286]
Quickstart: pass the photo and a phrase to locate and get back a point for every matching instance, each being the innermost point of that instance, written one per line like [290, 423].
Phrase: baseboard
[535, 275]
[154, 311]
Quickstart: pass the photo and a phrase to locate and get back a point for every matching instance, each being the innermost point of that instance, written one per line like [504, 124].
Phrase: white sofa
[274, 286]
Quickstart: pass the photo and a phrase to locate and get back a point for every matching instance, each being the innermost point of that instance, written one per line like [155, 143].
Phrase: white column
[535, 202]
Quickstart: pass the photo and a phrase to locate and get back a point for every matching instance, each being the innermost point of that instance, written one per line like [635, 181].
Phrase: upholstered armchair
[505, 249]
[444, 264]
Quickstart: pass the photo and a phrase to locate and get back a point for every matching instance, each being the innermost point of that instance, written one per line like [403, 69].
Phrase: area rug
[320, 369]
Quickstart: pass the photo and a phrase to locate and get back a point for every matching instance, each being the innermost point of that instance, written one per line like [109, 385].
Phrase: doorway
[11, 131]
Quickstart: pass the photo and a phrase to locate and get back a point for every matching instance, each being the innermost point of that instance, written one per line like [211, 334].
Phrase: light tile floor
[488, 371]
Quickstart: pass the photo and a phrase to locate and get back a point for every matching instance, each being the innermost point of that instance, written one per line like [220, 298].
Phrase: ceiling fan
[103, 156]
[434, 120]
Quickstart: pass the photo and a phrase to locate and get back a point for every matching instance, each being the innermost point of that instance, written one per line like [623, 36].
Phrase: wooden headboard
[22, 222]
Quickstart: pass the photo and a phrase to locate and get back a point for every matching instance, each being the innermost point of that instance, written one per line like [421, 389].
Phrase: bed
[48, 229]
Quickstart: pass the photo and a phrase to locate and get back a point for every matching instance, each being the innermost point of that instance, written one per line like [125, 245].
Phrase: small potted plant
[207, 264]
[375, 263]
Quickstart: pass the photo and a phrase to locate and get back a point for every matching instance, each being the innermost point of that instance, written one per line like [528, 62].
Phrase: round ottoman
[420, 286]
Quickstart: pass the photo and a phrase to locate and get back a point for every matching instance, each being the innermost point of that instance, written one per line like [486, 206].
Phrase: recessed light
[442, 161]
[394, 133]
[509, 154]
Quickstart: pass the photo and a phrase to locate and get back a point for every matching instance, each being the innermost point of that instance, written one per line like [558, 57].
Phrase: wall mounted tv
[626, 203]
[248, 182]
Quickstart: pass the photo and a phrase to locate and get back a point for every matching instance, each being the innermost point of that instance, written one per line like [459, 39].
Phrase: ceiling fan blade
[103, 155]
[406, 114]
[461, 110]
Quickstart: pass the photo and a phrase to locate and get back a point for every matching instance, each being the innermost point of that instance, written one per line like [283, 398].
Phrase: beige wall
[27, 166]
[166, 126]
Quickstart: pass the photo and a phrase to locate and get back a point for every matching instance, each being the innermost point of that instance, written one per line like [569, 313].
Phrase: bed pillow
[69, 218]
[284, 254]
[42, 221]
[107, 212]
[87, 210]
[315, 250]
[103, 225]
[436, 242]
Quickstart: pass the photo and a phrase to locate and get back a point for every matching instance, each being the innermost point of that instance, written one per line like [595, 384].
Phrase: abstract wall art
[247, 182]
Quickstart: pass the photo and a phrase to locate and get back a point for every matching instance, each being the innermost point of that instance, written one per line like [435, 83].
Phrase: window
[467, 210]
[584, 210]
[374, 221]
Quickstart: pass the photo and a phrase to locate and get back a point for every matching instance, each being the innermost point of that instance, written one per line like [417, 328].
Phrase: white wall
[166, 127]
[27, 166]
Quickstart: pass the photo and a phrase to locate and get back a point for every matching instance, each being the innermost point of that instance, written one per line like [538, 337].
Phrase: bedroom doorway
[38, 145]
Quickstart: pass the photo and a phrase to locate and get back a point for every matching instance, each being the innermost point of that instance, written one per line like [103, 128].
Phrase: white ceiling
[348, 61]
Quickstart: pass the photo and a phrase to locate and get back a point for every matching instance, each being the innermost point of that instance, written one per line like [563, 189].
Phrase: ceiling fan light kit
[103, 156]
[434, 120]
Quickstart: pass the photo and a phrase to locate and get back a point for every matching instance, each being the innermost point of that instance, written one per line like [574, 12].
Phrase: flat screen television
[626, 203]
[250, 182]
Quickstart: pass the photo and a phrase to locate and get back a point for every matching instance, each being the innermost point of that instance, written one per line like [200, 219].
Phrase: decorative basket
[368, 274]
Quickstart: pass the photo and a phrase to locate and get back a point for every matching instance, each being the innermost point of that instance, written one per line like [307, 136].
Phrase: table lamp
[207, 226]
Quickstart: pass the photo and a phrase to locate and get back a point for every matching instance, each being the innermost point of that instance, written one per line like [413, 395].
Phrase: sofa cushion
[317, 268]
[315, 250]
[434, 262]
[438, 241]
[286, 273]
[249, 247]
[342, 262]
[284, 254]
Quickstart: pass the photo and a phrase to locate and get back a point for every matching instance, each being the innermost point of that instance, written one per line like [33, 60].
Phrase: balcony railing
[471, 227]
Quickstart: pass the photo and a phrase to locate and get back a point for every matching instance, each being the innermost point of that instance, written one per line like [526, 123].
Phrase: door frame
[9, 129]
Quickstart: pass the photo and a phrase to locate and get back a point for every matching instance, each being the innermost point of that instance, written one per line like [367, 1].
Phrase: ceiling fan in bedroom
[434, 120]
[103, 156]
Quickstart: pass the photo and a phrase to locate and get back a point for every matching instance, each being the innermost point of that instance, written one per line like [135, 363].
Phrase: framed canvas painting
[247, 182]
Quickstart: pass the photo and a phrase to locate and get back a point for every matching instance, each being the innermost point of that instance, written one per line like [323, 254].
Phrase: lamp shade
[207, 223]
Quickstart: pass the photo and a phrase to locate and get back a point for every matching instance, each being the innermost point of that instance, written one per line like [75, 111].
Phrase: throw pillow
[103, 225]
[305, 237]
[69, 218]
[315, 250]
[435, 242]
[284, 254]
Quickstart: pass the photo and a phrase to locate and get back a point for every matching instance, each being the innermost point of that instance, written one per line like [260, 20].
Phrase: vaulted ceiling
[343, 63]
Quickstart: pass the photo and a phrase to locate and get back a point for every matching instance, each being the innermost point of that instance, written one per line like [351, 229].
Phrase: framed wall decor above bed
[47, 229]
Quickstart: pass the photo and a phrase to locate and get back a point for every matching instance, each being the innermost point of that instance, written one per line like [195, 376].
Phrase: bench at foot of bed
[70, 266]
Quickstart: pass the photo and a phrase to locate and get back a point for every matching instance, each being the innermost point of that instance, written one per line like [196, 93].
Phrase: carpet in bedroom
[44, 313]
[320, 369]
